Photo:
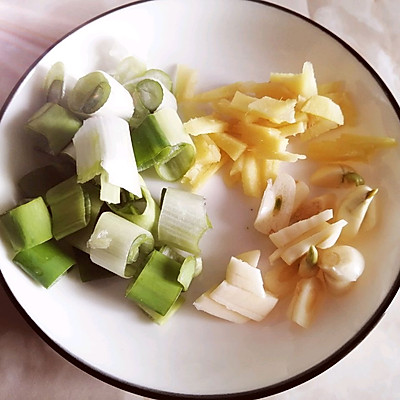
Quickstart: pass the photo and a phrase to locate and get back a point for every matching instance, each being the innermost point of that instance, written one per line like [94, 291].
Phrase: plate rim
[262, 392]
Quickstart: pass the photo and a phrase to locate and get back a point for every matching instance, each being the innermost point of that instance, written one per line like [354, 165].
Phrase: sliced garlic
[252, 257]
[276, 205]
[241, 274]
[314, 206]
[305, 301]
[243, 302]
[207, 304]
[353, 209]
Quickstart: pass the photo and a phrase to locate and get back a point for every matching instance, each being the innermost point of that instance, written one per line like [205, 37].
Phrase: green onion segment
[183, 220]
[162, 319]
[156, 287]
[69, 207]
[80, 238]
[159, 140]
[45, 263]
[27, 225]
[142, 211]
[54, 84]
[129, 68]
[98, 93]
[103, 147]
[117, 242]
[53, 127]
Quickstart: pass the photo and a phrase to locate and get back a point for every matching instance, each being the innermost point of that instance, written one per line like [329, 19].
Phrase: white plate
[92, 324]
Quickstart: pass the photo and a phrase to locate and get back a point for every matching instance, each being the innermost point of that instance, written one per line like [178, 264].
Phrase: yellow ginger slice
[221, 92]
[229, 144]
[206, 150]
[324, 107]
[266, 142]
[275, 110]
[185, 83]
[303, 84]
[200, 173]
[252, 182]
[293, 129]
[204, 125]
[317, 126]
[241, 102]
[348, 147]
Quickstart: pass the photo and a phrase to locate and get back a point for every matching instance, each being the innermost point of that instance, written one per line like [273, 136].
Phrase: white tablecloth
[29, 369]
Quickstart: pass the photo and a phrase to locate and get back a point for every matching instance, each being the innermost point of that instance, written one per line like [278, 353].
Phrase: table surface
[29, 369]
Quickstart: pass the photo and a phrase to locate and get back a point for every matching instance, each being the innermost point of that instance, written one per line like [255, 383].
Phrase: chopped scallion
[183, 220]
[45, 263]
[69, 206]
[27, 225]
[53, 127]
[156, 287]
[80, 238]
[103, 147]
[162, 319]
[142, 211]
[129, 68]
[117, 242]
[99, 93]
[161, 138]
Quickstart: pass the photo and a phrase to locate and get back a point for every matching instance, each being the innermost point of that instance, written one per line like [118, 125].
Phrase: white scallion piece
[183, 220]
[103, 147]
[117, 242]
[98, 93]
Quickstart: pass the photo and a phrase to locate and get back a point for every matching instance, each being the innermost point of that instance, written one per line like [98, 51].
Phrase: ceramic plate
[93, 325]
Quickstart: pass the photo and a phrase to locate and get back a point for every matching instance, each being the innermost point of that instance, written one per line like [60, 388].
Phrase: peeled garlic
[342, 263]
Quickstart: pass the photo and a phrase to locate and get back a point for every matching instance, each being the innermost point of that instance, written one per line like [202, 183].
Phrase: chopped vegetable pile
[91, 208]
[245, 129]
